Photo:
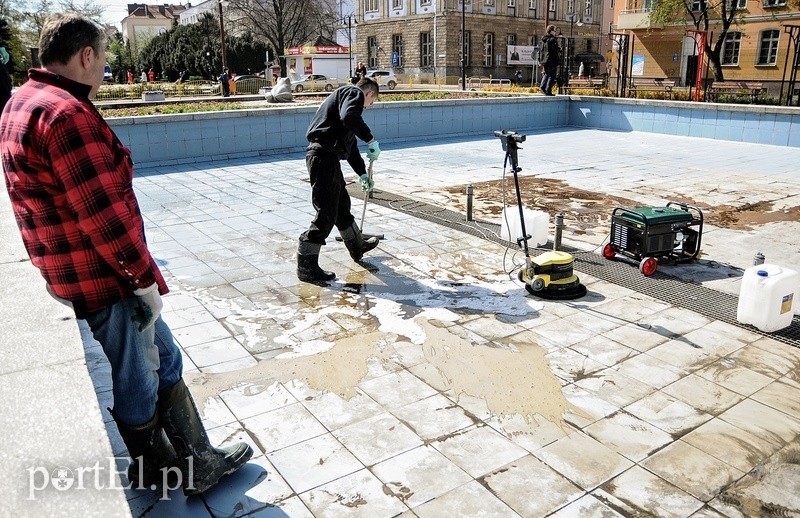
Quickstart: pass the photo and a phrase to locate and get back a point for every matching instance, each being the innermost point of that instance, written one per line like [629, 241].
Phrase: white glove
[150, 306]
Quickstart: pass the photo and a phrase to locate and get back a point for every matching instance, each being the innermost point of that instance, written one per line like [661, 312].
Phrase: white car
[107, 75]
[383, 78]
[312, 82]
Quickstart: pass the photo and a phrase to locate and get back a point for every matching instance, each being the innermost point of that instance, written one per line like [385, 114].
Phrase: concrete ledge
[156, 95]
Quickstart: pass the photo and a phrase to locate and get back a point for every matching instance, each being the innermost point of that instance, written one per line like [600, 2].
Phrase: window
[372, 52]
[587, 9]
[774, 3]
[512, 4]
[465, 48]
[532, 6]
[370, 6]
[397, 47]
[488, 3]
[552, 7]
[511, 7]
[533, 40]
[730, 48]
[425, 49]
[488, 49]
[737, 4]
[424, 2]
[570, 7]
[511, 39]
[589, 45]
[397, 4]
[768, 47]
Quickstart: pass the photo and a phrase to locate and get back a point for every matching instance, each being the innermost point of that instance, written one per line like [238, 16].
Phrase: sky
[116, 10]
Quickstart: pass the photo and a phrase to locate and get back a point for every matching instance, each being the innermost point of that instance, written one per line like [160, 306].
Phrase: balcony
[633, 19]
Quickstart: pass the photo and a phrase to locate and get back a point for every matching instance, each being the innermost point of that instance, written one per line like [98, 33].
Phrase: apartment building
[422, 38]
[145, 21]
[759, 46]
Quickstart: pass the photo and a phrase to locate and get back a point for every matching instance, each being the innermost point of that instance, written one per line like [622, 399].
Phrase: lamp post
[463, 45]
[350, 42]
[222, 35]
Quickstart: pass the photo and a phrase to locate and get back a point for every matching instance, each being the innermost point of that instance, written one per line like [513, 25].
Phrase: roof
[164, 11]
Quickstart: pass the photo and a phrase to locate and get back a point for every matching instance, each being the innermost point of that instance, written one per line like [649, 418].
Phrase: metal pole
[559, 229]
[350, 42]
[469, 202]
[222, 37]
[463, 45]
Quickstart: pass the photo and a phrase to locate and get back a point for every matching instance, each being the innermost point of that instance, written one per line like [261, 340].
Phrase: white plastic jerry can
[537, 225]
[768, 297]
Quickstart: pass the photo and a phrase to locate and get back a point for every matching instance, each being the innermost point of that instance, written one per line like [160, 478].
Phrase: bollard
[758, 259]
[559, 227]
[469, 202]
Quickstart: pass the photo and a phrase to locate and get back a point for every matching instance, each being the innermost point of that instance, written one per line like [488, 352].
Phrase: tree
[703, 14]
[282, 23]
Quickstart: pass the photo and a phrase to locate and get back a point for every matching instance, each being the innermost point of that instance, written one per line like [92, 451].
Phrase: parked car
[315, 82]
[249, 84]
[107, 74]
[383, 78]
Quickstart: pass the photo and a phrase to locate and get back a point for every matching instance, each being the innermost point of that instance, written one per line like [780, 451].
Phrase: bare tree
[282, 23]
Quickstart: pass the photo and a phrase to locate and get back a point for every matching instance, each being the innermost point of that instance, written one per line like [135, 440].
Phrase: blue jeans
[142, 363]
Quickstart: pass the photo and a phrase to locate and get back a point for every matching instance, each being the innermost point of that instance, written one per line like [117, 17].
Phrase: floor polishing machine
[549, 275]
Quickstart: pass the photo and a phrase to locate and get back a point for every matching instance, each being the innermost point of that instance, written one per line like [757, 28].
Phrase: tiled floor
[426, 382]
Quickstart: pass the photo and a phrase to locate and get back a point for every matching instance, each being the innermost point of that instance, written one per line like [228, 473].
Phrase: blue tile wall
[186, 138]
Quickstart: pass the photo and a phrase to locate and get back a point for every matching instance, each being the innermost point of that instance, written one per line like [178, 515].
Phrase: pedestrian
[361, 70]
[550, 59]
[223, 81]
[151, 76]
[232, 83]
[5, 78]
[143, 77]
[518, 77]
[332, 138]
[130, 77]
[70, 181]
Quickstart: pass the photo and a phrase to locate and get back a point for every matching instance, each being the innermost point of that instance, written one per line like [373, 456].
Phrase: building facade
[145, 21]
[421, 39]
[758, 46]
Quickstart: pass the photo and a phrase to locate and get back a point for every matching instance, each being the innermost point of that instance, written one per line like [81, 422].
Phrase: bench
[651, 85]
[583, 83]
[739, 88]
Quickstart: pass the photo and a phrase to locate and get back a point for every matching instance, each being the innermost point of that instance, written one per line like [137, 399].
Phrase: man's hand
[4, 57]
[367, 184]
[149, 306]
[373, 150]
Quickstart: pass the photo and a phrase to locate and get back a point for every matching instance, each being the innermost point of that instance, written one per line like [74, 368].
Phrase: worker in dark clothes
[332, 138]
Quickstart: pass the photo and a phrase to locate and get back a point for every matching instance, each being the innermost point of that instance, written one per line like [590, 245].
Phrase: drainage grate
[710, 303]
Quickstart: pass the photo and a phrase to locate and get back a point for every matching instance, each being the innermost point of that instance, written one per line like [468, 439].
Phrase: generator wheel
[537, 284]
[648, 266]
[609, 251]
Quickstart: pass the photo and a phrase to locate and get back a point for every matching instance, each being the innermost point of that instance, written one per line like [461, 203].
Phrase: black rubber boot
[308, 270]
[151, 453]
[202, 465]
[356, 243]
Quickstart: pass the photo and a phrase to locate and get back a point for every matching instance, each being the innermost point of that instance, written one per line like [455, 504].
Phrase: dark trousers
[329, 197]
[549, 77]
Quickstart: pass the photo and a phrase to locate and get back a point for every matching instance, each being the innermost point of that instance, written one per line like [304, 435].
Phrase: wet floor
[427, 382]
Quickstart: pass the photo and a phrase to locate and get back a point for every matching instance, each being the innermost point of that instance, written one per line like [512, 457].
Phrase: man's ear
[86, 55]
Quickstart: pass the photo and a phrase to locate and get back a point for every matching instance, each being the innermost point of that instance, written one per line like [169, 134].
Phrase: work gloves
[367, 184]
[373, 149]
[149, 306]
[4, 57]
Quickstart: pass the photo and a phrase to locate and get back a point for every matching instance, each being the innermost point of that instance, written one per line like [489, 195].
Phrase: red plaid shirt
[70, 181]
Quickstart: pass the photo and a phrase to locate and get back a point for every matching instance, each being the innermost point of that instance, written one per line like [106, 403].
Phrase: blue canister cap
[762, 273]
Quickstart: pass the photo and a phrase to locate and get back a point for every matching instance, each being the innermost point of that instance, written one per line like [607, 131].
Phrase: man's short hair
[64, 35]
[366, 84]
[551, 28]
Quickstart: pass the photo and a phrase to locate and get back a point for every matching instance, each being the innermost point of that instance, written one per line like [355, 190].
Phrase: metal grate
[710, 303]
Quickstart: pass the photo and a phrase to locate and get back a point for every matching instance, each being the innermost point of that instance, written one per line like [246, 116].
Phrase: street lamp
[463, 45]
[222, 34]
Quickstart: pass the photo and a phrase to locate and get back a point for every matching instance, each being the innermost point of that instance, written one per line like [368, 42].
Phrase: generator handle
[637, 215]
[697, 220]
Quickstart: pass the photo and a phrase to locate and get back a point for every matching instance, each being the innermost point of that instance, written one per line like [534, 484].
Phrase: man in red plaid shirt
[70, 181]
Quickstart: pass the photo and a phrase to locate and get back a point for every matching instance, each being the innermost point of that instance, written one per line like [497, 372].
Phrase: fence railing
[133, 92]
[480, 82]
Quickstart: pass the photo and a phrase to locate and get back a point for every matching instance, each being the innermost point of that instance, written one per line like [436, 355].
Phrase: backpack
[543, 54]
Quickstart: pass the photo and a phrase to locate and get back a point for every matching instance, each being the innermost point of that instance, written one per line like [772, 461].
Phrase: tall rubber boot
[355, 242]
[151, 453]
[308, 269]
[202, 465]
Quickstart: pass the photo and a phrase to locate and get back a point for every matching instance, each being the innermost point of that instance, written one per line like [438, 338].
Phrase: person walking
[70, 182]
[151, 76]
[223, 80]
[550, 59]
[332, 137]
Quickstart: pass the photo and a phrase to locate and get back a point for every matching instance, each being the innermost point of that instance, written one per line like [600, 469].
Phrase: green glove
[4, 57]
[373, 150]
[367, 184]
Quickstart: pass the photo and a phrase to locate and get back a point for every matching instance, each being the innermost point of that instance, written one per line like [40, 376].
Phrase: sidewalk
[426, 382]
